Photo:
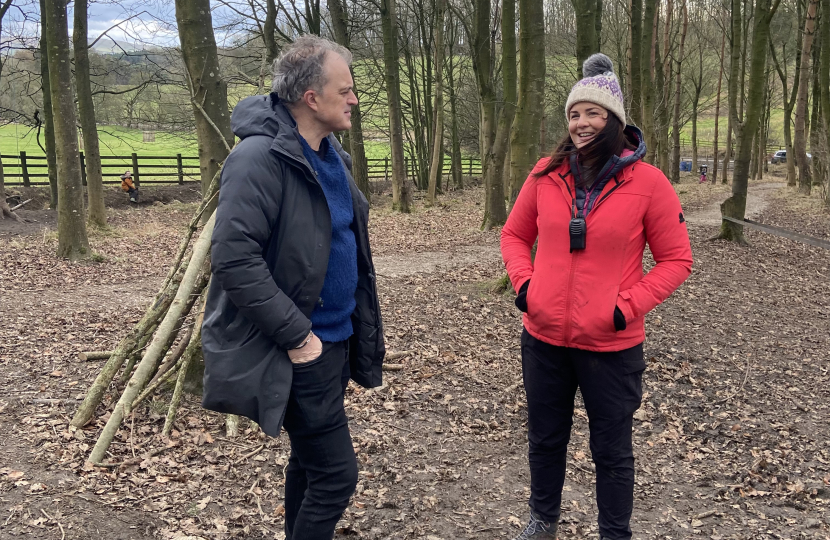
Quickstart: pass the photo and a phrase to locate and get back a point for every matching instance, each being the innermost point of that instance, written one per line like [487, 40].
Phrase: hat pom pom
[597, 64]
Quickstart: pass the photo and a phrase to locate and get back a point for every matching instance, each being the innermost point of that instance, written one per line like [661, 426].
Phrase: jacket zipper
[608, 194]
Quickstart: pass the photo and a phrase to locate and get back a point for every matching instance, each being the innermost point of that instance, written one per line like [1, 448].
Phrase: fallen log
[21, 205]
[94, 355]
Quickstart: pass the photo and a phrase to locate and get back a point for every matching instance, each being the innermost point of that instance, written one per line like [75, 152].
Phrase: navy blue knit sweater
[331, 318]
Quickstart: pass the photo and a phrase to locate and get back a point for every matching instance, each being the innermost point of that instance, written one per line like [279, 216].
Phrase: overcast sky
[141, 22]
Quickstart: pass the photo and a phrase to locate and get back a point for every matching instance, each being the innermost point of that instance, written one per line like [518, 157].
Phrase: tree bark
[72, 238]
[457, 172]
[96, 212]
[824, 74]
[524, 138]
[800, 142]
[587, 38]
[735, 206]
[717, 114]
[636, 75]
[357, 149]
[48, 123]
[789, 104]
[269, 27]
[436, 166]
[389, 26]
[675, 163]
[647, 69]
[482, 57]
[817, 163]
[208, 90]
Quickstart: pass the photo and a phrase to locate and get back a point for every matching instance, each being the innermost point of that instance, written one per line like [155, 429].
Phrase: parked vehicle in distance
[781, 157]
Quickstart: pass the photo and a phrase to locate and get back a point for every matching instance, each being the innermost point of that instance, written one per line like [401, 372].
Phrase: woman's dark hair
[611, 141]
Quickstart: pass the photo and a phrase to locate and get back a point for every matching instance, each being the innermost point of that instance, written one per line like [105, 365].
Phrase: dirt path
[758, 198]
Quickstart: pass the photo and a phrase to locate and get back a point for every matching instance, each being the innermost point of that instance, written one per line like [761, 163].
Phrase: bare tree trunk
[437, 165]
[735, 206]
[400, 186]
[717, 114]
[817, 163]
[636, 75]
[208, 90]
[48, 123]
[524, 138]
[800, 142]
[357, 149]
[96, 212]
[789, 105]
[647, 66]
[824, 83]
[675, 164]
[72, 238]
[482, 57]
[457, 173]
[587, 38]
[269, 27]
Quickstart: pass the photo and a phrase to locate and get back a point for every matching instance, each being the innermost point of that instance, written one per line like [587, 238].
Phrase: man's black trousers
[611, 387]
[322, 469]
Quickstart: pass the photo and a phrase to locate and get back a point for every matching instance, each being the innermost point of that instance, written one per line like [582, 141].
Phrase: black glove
[521, 298]
[619, 319]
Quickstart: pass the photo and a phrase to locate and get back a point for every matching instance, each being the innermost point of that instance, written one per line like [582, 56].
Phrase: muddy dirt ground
[732, 440]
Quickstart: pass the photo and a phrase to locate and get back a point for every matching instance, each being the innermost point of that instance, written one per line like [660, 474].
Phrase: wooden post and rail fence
[31, 169]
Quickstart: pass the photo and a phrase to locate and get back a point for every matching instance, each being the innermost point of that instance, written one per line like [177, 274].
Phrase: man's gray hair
[300, 67]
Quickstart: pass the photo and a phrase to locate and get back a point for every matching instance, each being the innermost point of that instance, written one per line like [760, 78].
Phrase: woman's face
[585, 121]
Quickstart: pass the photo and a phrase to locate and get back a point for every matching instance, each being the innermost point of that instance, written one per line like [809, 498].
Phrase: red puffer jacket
[571, 297]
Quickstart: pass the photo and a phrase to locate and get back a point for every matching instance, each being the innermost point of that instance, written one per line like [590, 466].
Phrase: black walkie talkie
[577, 231]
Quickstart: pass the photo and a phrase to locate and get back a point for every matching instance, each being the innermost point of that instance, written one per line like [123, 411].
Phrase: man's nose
[352, 99]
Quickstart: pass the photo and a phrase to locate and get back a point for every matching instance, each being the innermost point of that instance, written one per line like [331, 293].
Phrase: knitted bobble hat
[599, 85]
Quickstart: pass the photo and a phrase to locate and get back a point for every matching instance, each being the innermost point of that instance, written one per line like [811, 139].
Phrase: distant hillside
[107, 45]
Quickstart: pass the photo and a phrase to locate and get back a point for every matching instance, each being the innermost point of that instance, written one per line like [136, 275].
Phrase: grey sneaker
[537, 529]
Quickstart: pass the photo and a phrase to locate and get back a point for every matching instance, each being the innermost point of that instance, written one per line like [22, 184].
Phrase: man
[292, 312]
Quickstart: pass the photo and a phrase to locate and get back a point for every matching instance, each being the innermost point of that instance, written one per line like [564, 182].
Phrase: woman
[592, 206]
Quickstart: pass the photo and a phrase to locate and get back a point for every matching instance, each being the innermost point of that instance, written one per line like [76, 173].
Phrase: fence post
[24, 169]
[179, 167]
[83, 168]
[470, 167]
[136, 175]
[386, 168]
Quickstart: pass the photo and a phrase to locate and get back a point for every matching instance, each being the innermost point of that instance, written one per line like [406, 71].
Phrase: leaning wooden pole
[127, 347]
[158, 347]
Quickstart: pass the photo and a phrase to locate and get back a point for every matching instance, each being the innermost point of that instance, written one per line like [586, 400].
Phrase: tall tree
[588, 28]
[735, 206]
[72, 237]
[482, 57]
[208, 90]
[800, 141]
[48, 124]
[636, 53]
[788, 103]
[824, 83]
[389, 27]
[96, 212]
[455, 152]
[501, 152]
[4, 208]
[357, 149]
[436, 166]
[717, 113]
[524, 138]
[818, 163]
[647, 66]
[675, 162]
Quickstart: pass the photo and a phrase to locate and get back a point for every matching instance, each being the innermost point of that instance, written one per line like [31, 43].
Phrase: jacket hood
[257, 115]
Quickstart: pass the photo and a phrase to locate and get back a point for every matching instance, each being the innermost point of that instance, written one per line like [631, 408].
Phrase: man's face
[334, 103]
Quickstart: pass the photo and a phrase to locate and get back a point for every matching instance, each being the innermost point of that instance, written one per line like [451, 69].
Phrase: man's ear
[310, 99]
